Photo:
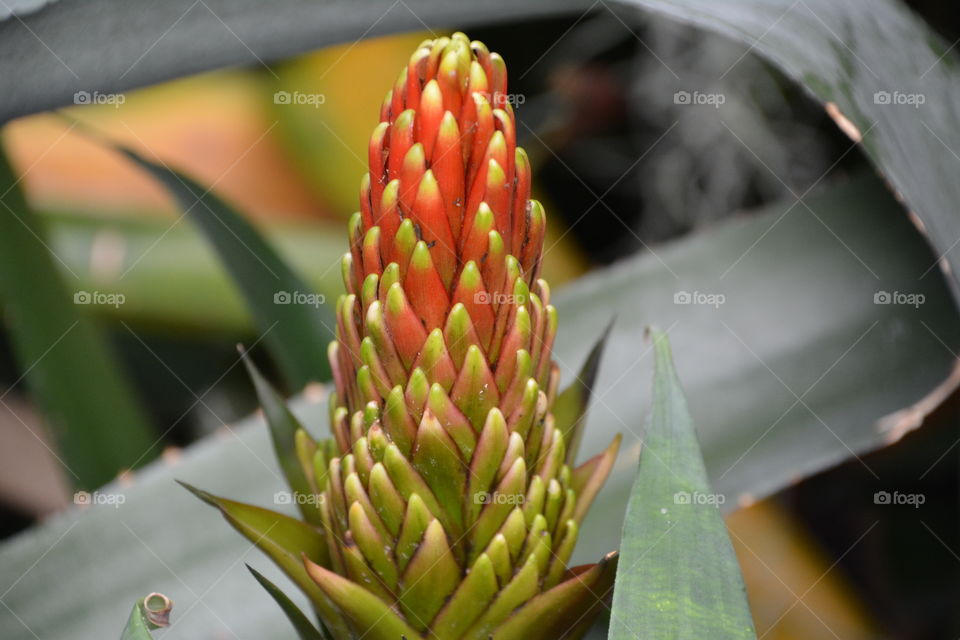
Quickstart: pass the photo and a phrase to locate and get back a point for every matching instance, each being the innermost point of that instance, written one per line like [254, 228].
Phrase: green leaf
[293, 320]
[72, 48]
[283, 431]
[305, 629]
[288, 541]
[570, 407]
[149, 614]
[796, 371]
[860, 65]
[281, 537]
[678, 575]
[799, 277]
[72, 373]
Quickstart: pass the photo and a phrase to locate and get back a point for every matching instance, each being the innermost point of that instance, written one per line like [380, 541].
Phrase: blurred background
[595, 99]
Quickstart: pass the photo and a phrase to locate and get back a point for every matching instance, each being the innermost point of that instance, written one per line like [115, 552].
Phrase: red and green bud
[448, 507]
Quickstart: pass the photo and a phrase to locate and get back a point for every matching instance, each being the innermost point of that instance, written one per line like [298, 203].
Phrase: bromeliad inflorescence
[447, 504]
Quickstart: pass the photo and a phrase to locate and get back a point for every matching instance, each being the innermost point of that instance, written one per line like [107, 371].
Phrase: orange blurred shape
[214, 127]
[795, 592]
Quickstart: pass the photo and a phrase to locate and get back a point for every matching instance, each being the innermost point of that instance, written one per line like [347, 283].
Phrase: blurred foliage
[73, 375]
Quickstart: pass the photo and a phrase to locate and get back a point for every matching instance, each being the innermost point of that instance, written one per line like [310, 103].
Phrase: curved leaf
[72, 48]
[293, 320]
[885, 77]
[169, 278]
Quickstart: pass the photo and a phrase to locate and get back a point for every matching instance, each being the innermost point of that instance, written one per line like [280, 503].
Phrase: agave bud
[450, 510]
[448, 507]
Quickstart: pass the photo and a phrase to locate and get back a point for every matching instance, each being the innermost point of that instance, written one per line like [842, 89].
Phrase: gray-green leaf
[678, 576]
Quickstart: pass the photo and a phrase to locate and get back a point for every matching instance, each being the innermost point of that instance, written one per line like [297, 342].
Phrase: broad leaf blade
[678, 575]
[72, 373]
[294, 325]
